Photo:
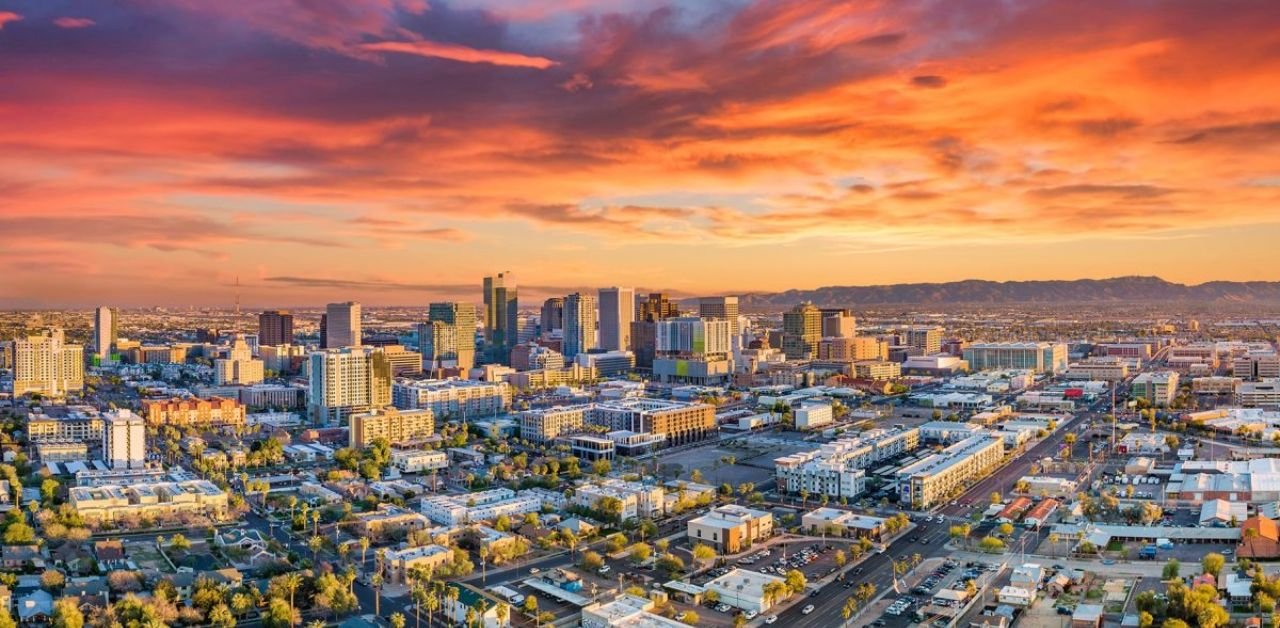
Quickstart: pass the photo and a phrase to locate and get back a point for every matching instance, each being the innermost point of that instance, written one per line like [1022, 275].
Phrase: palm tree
[419, 594]
[503, 612]
[291, 582]
[451, 597]
[315, 521]
[314, 544]
[483, 553]
[376, 581]
[364, 550]
[397, 620]
[432, 602]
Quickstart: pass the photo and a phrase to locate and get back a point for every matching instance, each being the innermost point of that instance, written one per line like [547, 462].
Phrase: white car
[770, 619]
[808, 609]
[751, 614]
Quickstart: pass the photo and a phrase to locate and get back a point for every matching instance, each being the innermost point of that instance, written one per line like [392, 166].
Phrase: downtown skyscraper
[275, 327]
[501, 316]
[579, 324]
[342, 325]
[617, 311]
[105, 323]
[448, 338]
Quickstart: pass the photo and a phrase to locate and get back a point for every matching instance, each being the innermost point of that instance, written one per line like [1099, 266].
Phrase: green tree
[592, 561]
[66, 614]
[1213, 563]
[220, 616]
[1172, 570]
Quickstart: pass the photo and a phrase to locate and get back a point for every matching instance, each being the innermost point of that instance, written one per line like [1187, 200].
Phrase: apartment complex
[1037, 357]
[1104, 369]
[72, 423]
[487, 505]
[346, 381]
[935, 478]
[397, 426]
[877, 369]
[638, 500]
[453, 398]
[729, 529]
[159, 500]
[681, 422]
[926, 338]
[124, 439]
[854, 349]
[543, 425]
[837, 469]
[211, 412]
[398, 563]
[1157, 388]
[722, 308]
[44, 364]
[419, 460]
[239, 367]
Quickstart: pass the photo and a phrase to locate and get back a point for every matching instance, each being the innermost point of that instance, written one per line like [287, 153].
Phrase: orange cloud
[8, 16]
[454, 52]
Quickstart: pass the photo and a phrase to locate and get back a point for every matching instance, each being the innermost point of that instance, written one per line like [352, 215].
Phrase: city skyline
[308, 147]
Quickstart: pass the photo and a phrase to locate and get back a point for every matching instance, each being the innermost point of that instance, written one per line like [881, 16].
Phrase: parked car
[808, 609]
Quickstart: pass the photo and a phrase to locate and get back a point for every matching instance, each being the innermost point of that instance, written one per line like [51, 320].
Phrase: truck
[1147, 553]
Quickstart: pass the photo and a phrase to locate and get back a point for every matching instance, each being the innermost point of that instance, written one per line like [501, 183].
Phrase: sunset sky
[396, 151]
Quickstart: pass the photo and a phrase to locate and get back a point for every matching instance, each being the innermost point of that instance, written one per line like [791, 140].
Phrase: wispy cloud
[464, 54]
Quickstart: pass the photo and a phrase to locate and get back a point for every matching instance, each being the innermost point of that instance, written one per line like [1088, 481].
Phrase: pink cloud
[8, 16]
[464, 54]
[74, 22]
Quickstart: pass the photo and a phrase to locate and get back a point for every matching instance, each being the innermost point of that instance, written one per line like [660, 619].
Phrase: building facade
[453, 398]
[579, 324]
[343, 327]
[275, 327]
[617, 311]
[397, 426]
[44, 364]
[347, 380]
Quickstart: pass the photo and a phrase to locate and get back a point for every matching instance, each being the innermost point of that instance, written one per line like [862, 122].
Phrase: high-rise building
[579, 324]
[342, 325]
[324, 331]
[552, 316]
[801, 332]
[838, 323]
[124, 440]
[44, 364]
[104, 332]
[275, 327]
[724, 308]
[448, 338]
[693, 350]
[617, 310]
[239, 367]
[348, 380]
[927, 338]
[656, 307]
[501, 315]
[397, 426]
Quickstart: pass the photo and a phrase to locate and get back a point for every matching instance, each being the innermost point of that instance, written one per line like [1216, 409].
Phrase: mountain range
[1114, 290]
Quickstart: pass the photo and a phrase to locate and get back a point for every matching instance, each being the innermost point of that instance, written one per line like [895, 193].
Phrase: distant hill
[1115, 290]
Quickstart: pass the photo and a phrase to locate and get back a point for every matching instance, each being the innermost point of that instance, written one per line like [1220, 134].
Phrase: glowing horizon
[397, 151]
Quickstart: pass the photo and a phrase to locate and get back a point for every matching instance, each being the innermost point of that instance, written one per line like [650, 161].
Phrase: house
[1014, 511]
[35, 608]
[91, 592]
[6, 598]
[1087, 616]
[73, 557]
[1060, 583]
[1017, 596]
[577, 526]
[1260, 538]
[245, 539]
[21, 556]
[229, 576]
[110, 555]
[467, 599]
[184, 583]
[1238, 589]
